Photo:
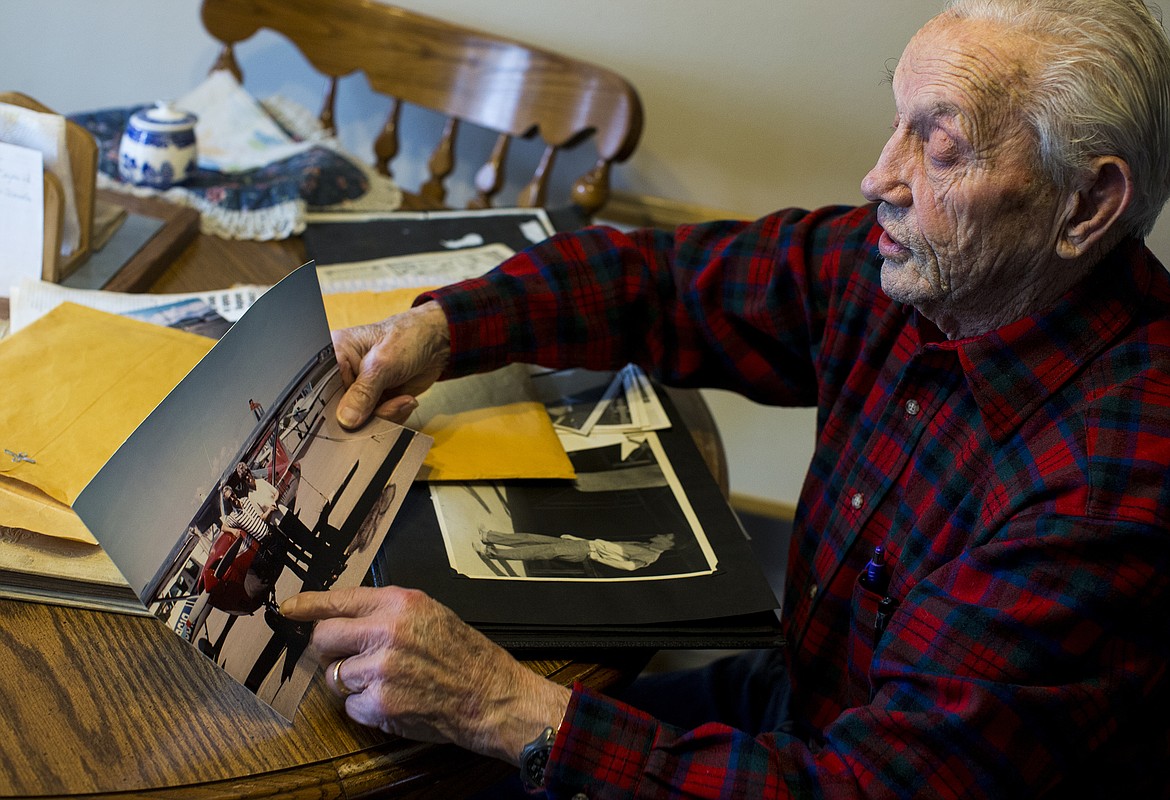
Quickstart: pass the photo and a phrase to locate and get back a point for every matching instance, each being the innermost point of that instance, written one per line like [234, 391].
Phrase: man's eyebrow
[942, 108]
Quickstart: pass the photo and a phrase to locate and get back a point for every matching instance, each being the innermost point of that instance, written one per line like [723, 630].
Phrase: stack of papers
[32, 299]
[583, 402]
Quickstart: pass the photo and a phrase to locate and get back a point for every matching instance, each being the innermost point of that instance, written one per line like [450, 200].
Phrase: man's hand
[387, 364]
[414, 669]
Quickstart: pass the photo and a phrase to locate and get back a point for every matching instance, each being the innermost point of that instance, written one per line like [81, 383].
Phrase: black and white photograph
[624, 518]
[588, 402]
[577, 399]
[241, 489]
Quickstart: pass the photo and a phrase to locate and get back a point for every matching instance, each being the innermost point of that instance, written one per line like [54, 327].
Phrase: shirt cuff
[477, 325]
[601, 749]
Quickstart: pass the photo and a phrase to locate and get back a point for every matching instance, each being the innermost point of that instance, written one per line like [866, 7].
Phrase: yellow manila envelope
[29, 509]
[485, 427]
[77, 382]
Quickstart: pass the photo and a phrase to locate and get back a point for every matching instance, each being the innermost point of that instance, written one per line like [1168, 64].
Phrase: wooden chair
[469, 76]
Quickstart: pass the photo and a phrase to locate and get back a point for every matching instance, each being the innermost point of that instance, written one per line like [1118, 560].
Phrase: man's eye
[941, 148]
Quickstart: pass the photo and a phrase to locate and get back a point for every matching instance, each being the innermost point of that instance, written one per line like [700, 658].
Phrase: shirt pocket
[869, 615]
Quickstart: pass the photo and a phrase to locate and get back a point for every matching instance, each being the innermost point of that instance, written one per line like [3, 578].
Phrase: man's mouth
[889, 245]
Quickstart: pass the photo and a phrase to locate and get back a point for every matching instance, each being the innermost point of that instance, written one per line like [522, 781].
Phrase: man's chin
[894, 277]
[903, 283]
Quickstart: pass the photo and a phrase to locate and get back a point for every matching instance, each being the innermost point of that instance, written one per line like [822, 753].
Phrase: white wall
[750, 105]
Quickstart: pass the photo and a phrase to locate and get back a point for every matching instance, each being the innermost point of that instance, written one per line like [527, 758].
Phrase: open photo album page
[241, 489]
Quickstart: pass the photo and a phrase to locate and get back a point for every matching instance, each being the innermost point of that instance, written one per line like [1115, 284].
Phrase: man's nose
[885, 181]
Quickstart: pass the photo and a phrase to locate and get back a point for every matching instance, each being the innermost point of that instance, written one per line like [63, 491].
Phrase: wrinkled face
[970, 222]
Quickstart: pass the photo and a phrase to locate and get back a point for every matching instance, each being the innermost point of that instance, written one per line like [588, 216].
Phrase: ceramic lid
[163, 117]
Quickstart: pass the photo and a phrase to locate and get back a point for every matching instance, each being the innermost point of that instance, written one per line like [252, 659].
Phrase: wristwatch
[534, 758]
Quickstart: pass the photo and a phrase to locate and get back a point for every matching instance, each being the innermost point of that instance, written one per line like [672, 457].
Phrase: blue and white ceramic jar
[158, 147]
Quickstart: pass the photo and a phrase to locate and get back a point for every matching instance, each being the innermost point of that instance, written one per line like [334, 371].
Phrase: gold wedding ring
[338, 682]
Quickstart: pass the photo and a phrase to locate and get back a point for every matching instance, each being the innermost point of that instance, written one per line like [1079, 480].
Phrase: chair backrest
[469, 76]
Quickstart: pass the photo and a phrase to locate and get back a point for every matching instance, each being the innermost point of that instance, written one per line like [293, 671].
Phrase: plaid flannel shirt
[1018, 480]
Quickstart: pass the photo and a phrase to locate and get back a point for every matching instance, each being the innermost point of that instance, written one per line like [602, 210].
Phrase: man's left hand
[411, 667]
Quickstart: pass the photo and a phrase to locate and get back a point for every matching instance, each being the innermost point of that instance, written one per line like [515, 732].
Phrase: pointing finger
[356, 602]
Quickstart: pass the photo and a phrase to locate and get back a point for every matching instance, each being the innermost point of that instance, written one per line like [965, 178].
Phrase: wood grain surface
[98, 703]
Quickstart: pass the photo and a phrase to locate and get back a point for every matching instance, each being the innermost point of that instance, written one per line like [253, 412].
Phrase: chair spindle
[533, 194]
[328, 108]
[490, 177]
[440, 165]
[386, 145]
[227, 60]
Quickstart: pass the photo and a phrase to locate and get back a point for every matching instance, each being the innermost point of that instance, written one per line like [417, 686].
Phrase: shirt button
[857, 500]
[812, 592]
[912, 407]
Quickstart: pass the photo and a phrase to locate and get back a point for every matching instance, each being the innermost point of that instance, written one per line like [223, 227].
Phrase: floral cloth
[264, 203]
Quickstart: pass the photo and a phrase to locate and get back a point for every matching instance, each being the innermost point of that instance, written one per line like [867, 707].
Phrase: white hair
[1103, 88]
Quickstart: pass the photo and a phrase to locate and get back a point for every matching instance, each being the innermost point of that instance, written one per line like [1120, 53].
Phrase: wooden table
[99, 704]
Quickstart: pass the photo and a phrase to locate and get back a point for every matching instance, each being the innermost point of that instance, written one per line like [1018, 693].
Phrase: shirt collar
[1015, 369]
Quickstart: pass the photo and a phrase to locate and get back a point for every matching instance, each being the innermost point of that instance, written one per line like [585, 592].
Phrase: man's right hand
[384, 366]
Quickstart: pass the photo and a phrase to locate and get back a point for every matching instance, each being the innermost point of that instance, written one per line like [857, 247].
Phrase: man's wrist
[543, 707]
[438, 341]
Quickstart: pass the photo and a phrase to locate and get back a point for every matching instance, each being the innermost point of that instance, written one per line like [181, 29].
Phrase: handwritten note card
[22, 215]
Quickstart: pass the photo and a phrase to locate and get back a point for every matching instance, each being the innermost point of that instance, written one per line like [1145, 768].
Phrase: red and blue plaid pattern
[1019, 482]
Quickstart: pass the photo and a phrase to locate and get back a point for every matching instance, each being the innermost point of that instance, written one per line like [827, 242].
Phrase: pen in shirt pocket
[876, 578]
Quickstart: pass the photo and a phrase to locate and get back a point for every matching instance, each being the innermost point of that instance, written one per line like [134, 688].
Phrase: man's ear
[1093, 211]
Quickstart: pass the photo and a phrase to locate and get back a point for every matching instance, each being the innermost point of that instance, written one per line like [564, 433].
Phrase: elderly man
[988, 343]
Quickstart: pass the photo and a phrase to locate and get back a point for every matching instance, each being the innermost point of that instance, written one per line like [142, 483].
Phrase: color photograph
[241, 489]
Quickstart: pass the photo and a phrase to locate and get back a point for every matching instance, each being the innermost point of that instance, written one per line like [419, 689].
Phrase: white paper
[412, 271]
[22, 215]
[33, 299]
[467, 240]
[642, 396]
[46, 134]
[534, 231]
[234, 133]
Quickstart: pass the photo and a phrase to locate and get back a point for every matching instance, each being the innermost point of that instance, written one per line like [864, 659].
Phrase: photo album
[638, 549]
[241, 489]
